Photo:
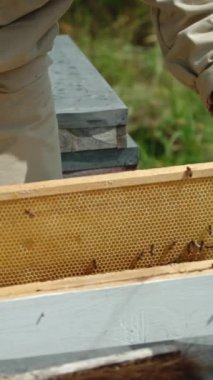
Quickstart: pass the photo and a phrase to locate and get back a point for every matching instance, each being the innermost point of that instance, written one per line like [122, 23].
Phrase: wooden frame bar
[105, 181]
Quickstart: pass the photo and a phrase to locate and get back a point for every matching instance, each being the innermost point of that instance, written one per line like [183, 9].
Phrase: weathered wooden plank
[83, 98]
[135, 314]
[102, 158]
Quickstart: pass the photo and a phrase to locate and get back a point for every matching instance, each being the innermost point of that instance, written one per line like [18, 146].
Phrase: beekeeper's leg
[29, 145]
[185, 33]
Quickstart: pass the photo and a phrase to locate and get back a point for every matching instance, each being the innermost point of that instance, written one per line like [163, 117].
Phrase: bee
[172, 245]
[188, 172]
[29, 213]
[191, 246]
[201, 246]
[91, 268]
[209, 246]
[152, 250]
[210, 230]
[94, 264]
[136, 259]
[195, 245]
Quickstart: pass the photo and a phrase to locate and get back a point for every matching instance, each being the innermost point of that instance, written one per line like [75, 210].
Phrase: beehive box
[92, 118]
[90, 114]
[105, 261]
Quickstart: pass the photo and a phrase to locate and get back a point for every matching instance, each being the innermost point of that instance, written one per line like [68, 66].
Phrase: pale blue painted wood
[102, 159]
[77, 321]
[83, 98]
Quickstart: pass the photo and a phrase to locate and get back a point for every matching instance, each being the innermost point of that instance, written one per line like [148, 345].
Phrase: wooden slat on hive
[78, 139]
[84, 100]
[101, 159]
[137, 312]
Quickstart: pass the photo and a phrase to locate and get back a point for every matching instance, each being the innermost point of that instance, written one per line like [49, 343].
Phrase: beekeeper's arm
[29, 144]
[185, 33]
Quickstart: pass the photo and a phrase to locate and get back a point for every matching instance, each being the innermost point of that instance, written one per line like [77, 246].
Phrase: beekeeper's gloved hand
[185, 34]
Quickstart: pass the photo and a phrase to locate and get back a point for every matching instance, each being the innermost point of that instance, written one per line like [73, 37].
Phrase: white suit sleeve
[185, 33]
[29, 144]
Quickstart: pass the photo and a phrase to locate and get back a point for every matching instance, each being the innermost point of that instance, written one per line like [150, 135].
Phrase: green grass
[167, 120]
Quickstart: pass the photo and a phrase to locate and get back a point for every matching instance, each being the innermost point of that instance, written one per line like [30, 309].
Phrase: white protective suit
[29, 145]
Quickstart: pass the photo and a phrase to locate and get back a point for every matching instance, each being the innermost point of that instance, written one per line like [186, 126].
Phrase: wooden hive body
[92, 118]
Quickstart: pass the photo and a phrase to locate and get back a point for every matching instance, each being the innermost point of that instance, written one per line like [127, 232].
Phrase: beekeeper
[29, 145]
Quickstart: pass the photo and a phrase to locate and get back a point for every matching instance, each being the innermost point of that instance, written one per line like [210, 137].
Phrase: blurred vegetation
[166, 119]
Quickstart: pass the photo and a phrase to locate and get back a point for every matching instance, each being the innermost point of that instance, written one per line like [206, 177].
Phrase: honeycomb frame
[106, 223]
